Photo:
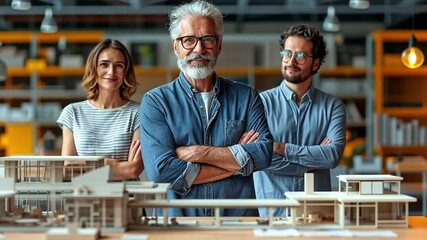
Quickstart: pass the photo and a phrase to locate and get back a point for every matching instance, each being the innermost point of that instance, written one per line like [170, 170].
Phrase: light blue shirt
[174, 115]
[302, 128]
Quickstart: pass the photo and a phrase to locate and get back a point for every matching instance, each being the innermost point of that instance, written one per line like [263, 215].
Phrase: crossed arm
[132, 168]
[279, 148]
[216, 162]
[121, 170]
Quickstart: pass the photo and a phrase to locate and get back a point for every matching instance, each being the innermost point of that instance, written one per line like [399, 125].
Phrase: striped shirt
[101, 132]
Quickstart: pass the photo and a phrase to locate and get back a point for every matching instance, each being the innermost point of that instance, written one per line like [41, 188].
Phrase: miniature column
[308, 183]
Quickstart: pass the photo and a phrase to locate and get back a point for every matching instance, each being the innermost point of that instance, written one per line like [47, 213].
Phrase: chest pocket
[233, 131]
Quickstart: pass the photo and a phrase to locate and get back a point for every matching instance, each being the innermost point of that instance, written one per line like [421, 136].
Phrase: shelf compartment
[10, 93]
[404, 112]
[343, 71]
[61, 94]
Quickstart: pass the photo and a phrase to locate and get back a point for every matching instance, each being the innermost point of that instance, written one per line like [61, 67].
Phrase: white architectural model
[51, 169]
[91, 200]
[368, 201]
[96, 202]
[7, 190]
[38, 194]
[40, 181]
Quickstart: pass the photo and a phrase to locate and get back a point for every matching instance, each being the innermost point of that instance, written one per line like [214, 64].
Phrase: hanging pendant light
[21, 4]
[412, 57]
[48, 23]
[3, 70]
[331, 22]
[358, 4]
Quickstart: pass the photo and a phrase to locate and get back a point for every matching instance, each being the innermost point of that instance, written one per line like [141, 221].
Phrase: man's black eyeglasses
[300, 57]
[190, 42]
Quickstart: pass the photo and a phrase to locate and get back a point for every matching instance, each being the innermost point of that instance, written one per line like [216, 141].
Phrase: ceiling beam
[227, 9]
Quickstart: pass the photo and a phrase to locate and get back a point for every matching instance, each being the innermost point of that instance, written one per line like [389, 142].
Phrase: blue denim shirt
[174, 115]
[302, 127]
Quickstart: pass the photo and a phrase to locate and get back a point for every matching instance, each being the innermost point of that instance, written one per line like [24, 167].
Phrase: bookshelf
[39, 86]
[398, 96]
[396, 128]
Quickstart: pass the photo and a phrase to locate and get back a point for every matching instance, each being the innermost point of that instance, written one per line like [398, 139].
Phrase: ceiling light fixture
[331, 22]
[48, 23]
[358, 4]
[3, 70]
[412, 57]
[21, 4]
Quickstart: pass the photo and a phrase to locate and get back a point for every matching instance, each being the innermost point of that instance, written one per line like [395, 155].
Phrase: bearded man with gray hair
[203, 134]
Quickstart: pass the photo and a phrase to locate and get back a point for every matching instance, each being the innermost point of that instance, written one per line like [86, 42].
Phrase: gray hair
[199, 8]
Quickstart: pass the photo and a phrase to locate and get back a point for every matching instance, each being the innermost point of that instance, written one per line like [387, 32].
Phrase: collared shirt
[174, 115]
[302, 128]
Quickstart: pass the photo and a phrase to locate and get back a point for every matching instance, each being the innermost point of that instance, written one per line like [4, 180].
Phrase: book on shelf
[144, 54]
[405, 162]
[353, 113]
[393, 131]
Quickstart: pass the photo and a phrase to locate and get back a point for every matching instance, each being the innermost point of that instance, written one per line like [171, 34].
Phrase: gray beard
[197, 72]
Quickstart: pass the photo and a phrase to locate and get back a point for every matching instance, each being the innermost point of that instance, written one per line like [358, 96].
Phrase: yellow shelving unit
[25, 84]
[17, 139]
[394, 83]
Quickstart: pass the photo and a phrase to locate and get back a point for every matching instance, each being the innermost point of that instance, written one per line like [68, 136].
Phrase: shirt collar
[289, 94]
[190, 90]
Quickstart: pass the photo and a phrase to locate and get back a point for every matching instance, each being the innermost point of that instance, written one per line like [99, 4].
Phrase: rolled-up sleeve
[243, 159]
[182, 184]
[158, 148]
[260, 151]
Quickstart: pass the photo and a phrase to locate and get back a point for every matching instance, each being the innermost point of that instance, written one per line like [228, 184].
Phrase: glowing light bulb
[412, 57]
